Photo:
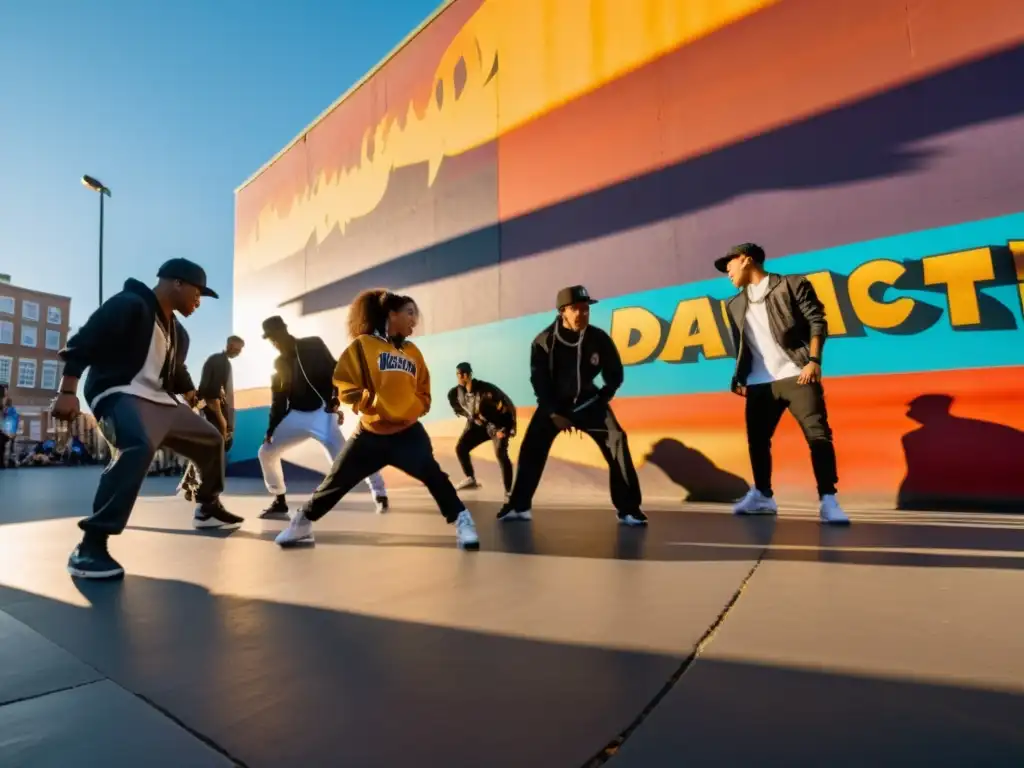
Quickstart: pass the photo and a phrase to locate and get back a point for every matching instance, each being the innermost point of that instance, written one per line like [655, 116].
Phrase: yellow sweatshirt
[388, 387]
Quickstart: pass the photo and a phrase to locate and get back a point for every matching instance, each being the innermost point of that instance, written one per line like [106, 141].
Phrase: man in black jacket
[564, 361]
[217, 393]
[135, 351]
[490, 415]
[304, 404]
[778, 330]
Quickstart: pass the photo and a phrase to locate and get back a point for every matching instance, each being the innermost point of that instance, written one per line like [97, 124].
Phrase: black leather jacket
[795, 316]
[487, 402]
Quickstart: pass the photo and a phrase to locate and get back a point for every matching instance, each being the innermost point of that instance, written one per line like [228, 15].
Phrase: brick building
[34, 325]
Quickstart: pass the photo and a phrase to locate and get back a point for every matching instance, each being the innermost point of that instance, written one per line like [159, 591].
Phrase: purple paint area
[933, 153]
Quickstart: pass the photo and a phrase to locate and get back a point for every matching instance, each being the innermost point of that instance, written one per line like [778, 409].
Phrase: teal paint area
[500, 352]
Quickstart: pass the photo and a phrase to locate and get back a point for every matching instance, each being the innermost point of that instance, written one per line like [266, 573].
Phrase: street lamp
[97, 186]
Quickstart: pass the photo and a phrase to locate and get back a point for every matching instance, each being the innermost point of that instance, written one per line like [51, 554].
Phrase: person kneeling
[384, 378]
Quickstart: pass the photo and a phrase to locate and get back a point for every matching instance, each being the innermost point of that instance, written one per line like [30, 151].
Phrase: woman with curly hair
[384, 378]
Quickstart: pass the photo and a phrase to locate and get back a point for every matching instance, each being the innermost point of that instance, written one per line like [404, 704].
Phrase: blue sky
[172, 105]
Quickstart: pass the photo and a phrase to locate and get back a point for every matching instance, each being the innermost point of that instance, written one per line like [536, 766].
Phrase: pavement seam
[612, 747]
[33, 696]
[104, 678]
[203, 738]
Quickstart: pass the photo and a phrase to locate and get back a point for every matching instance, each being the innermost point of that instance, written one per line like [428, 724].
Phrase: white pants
[303, 425]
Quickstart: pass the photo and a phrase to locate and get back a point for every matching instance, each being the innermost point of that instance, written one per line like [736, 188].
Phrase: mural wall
[516, 146]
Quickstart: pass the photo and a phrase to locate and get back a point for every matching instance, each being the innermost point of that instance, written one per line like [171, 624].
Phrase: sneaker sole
[516, 516]
[274, 516]
[80, 574]
[835, 522]
[214, 524]
[469, 545]
[632, 523]
[305, 541]
[750, 512]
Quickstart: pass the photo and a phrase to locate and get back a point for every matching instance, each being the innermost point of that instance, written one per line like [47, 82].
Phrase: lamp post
[97, 186]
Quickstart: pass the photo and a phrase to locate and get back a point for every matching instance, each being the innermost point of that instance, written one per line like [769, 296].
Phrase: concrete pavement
[569, 641]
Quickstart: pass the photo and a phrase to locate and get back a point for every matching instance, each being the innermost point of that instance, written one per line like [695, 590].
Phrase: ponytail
[368, 314]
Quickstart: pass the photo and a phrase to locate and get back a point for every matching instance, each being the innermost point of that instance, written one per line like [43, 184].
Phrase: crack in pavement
[612, 748]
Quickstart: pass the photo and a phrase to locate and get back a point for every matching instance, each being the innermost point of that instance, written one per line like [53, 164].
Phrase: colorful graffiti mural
[514, 146]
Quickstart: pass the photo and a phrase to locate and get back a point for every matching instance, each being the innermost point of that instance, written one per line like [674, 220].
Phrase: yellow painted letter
[693, 326]
[878, 314]
[648, 328]
[960, 272]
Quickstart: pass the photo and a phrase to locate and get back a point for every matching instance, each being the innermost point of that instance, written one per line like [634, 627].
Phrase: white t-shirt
[769, 362]
[147, 384]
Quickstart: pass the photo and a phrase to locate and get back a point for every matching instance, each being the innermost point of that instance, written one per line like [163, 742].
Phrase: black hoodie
[563, 367]
[114, 344]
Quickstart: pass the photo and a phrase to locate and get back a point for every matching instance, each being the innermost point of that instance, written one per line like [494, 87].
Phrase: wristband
[815, 360]
[63, 392]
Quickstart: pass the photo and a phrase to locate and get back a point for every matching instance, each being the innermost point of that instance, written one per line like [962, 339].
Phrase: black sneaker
[636, 517]
[213, 515]
[278, 509]
[91, 560]
[382, 505]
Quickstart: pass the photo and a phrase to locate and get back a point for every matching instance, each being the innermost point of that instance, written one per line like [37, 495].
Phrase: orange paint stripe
[785, 63]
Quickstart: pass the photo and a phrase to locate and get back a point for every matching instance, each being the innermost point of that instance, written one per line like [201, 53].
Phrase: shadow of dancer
[956, 463]
[691, 469]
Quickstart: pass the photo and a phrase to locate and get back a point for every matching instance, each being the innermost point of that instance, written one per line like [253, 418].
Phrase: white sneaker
[755, 503]
[467, 484]
[465, 531]
[831, 513]
[299, 531]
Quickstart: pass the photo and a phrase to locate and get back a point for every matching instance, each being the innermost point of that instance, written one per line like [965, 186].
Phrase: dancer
[779, 329]
[490, 415]
[564, 361]
[135, 351]
[384, 378]
[217, 393]
[304, 405]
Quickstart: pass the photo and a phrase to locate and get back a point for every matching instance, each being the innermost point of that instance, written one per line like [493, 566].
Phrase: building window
[5, 369]
[6, 305]
[50, 373]
[52, 339]
[27, 374]
[30, 310]
[53, 316]
[29, 336]
[6, 332]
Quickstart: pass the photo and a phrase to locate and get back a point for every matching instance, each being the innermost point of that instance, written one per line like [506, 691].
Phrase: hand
[740, 390]
[561, 422]
[500, 434]
[341, 417]
[810, 374]
[190, 398]
[66, 407]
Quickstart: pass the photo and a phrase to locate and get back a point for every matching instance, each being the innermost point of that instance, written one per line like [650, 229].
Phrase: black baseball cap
[188, 272]
[464, 368]
[753, 250]
[274, 326]
[574, 294]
